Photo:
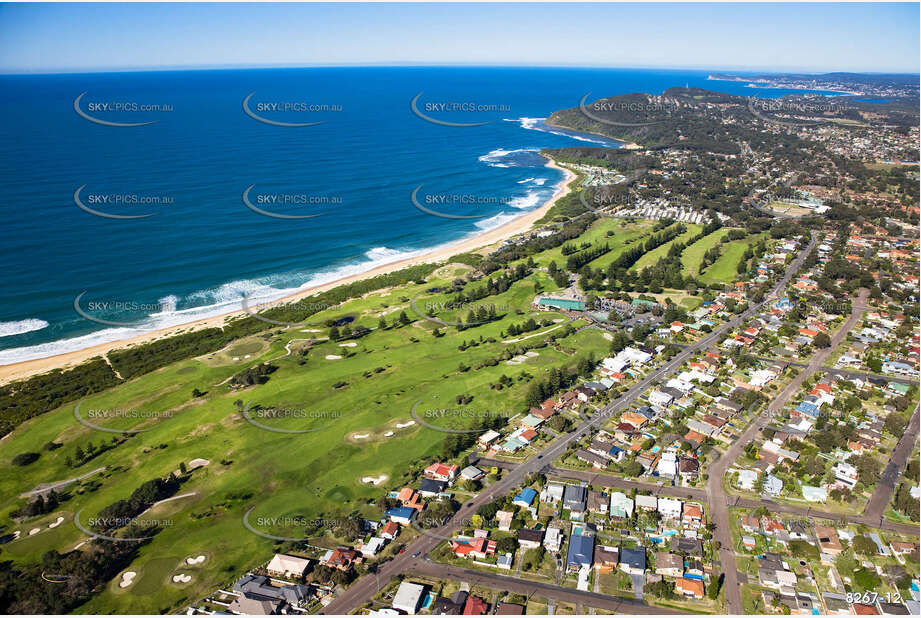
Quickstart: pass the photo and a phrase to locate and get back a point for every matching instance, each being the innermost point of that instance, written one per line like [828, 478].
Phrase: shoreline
[625, 144]
[29, 368]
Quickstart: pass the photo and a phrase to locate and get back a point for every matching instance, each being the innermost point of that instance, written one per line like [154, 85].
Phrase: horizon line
[230, 67]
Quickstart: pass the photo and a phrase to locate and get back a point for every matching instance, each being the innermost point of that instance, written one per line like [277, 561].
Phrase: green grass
[693, 254]
[314, 475]
[649, 259]
[723, 270]
[597, 235]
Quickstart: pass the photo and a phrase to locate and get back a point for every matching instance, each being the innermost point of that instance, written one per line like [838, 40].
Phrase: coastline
[29, 368]
[624, 143]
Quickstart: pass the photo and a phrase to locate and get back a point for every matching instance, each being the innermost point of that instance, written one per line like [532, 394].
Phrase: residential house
[669, 565]
[621, 505]
[283, 565]
[581, 552]
[408, 597]
[530, 539]
[441, 472]
[553, 540]
[633, 561]
[692, 588]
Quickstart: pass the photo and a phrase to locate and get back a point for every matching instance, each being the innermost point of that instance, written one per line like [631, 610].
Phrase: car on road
[416, 555]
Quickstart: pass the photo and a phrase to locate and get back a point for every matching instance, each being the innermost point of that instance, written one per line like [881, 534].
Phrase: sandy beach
[28, 368]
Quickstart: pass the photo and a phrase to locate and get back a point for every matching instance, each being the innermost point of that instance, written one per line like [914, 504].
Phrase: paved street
[618, 605]
[365, 588]
[716, 497]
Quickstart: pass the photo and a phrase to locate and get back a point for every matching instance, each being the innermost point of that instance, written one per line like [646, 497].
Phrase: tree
[24, 459]
[822, 340]
[863, 545]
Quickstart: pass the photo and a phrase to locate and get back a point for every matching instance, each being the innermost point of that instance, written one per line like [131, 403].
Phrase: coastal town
[691, 387]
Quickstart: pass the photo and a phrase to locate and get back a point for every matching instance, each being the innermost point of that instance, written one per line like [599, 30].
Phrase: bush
[24, 459]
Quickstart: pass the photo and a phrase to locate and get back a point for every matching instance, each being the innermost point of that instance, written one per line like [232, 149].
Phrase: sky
[49, 38]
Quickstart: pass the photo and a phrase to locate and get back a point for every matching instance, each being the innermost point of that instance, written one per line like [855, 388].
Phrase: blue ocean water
[204, 248]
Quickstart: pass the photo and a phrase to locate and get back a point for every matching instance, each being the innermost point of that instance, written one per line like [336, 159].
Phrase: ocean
[209, 196]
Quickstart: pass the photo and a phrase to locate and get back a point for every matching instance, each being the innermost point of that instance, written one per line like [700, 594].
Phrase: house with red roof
[441, 472]
[475, 606]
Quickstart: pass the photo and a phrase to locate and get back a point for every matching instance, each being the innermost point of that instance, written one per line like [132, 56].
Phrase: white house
[553, 540]
[747, 479]
[658, 398]
[669, 508]
[846, 473]
[287, 566]
[408, 597]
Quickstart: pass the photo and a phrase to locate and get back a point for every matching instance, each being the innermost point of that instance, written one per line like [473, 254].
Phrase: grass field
[656, 254]
[723, 270]
[313, 475]
[351, 404]
[693, 254]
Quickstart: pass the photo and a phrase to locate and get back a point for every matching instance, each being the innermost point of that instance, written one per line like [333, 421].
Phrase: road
[366, 587]
[885, 487]
[618, 605]
[716, 497]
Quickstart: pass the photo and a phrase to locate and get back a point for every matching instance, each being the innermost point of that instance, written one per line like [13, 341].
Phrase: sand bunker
[195, 560]
[57, 522]
[34, 531]
[374, 480]
[532, 354]
[311, 330]
[360, 436]
[198, 463]
[332, 357]
[350, 344]
[127, 579]
[559, 320]
[236, 358]
[608, 336]
[388, 434]
[182, 578]
[405, 425]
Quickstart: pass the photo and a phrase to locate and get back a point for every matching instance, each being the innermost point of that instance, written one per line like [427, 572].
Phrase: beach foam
[539, 124]
[22, 326]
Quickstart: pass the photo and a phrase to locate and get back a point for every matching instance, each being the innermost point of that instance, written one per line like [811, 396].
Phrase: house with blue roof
[525, 498]
[809, 409]
[581, 552]
[402, 515]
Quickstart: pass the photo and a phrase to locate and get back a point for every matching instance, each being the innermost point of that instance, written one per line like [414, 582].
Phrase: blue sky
[761, 36]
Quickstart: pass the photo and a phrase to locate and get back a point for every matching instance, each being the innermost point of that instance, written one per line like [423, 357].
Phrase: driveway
[638, 582]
